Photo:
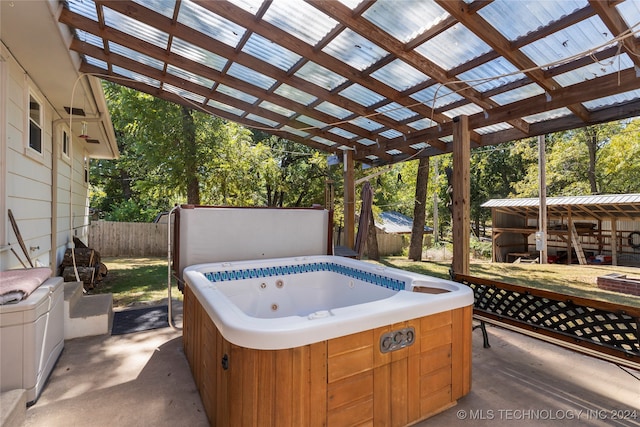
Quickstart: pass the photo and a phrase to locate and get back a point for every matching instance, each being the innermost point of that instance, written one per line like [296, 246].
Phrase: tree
[620, 165]
[419, 210]
[173, 154]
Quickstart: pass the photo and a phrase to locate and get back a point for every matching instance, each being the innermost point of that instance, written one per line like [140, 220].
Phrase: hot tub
[325, 340]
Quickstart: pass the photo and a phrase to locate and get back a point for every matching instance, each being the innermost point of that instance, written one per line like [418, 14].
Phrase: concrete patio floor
[143, 379]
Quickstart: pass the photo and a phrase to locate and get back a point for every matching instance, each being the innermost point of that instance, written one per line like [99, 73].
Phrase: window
[35, 124]
[65, 143]
[86, 169]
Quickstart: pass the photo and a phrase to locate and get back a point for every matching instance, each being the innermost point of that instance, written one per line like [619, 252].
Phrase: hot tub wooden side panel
[344, 381]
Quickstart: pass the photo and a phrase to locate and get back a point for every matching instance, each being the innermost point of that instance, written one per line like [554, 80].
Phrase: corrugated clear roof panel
[89, 38]
[630, 12]
[399, 75]
[518, 94]
[491, 75]
[515, 19]
[597, 69]
[466, 110]
[372, 157]
[319, 75]
[333, 110]
[493, 128]
[446, 139]
[548, 115]
[574, 40]
[366, 141]
[185, 94]
[197, 54]
[394, 152]
[300, 19]
[294, 131]
[407, 19]
[270, 52]
[312, 122]
[457, 45]
[351, 4]
[436, 96]
[343, 133]
[396, 111]
[420, 146]
[354, 50]
[163, 7]
[189, 76]
[96, 62]
[612, 100]
[324, 141]
[250, 76]
[206, 22]
[135, 55]
[260, 119]
[84, 8]
[251, 6]
[276, 108]
[135, 76]
[135, 28]
[365, 123]
[391, 134]
[423, 123]
[235, 93]
[225, 107]
[361, 95]
[294, 94]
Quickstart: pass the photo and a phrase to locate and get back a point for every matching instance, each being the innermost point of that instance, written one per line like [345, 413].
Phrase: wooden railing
[605, 330]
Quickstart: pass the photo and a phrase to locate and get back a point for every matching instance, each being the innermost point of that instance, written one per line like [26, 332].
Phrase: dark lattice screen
[607, 328]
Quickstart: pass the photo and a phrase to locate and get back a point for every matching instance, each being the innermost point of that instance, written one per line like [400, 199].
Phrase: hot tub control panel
[395, 340]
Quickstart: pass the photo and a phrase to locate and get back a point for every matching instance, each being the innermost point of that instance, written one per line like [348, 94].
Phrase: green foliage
[171, 154]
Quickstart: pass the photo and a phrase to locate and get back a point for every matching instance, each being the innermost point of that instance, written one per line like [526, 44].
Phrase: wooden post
[542, 193]
[569, 240]
[614, 241]
[461, 195]
[349, 200]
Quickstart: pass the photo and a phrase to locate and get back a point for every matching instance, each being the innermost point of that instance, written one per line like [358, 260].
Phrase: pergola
[378, 82]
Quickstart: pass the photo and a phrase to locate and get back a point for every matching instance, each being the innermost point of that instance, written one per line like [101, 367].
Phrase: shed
[605, 229]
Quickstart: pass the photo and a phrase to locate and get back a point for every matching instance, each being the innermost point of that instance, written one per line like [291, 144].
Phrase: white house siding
[29, 178]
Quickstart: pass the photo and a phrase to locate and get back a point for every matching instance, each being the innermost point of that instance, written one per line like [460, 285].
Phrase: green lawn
[144, 280]
[136, 281]
[577, 280]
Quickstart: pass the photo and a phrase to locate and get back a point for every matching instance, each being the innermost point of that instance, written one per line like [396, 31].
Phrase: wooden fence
[128, 239]
[139, 239]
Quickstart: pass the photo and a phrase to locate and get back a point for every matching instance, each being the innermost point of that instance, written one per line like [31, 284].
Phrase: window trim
[65, 135]
[36, 98]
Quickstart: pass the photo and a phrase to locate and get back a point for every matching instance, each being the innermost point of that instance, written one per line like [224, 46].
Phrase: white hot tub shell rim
[294, 331]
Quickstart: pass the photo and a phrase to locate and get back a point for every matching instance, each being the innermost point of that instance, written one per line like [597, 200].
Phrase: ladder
[575, 240]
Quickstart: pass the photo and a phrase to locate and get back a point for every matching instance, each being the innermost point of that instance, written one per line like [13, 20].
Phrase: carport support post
[542, 193]
[349, 199]
[461, 195]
